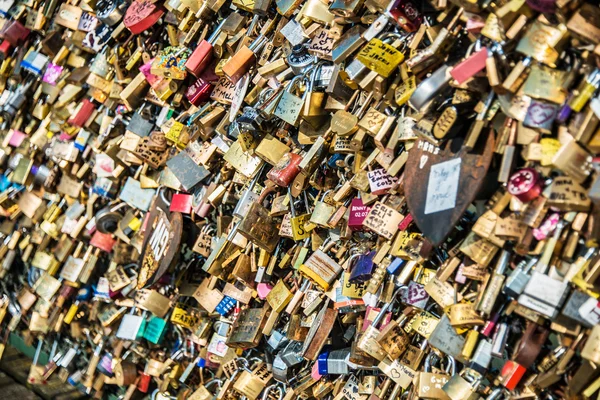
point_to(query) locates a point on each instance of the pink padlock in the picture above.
(203, 209)
(181, 202)
(263, 289)
(153, 80)
(473, 64)
(314, 372)
(405, 222)
(200, 207)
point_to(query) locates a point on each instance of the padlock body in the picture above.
(239, 64)
(200, 58)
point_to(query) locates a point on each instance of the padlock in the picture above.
(381, 55)
(199, 92)
(298, 222)
(242, 60)
(122, 181)
(462, 386)
(322, 212)
(313, 111)
(290, 106)
(367, 341)
(511, 374)
(362, 269)
(202, 55)
(141, 15)
(430, 384)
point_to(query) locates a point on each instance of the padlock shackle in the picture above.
(213, 37)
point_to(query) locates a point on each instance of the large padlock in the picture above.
(313, 112)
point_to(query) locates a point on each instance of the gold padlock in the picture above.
(297, 221)
(430, 384)
(322, 212)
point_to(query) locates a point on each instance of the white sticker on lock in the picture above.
(380, 181)
(442, 187)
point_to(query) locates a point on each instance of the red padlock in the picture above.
(5, 48)
(405, 222)
(83, 113)
(511, 374)
(103, 241)
(144, 382)
(358, 213)
(203, 53)
(14, 32)
(406, 15)
(467, 68)
(199, 92)
(141, 15)
(286, 169)
(525, 184)
(182, 203)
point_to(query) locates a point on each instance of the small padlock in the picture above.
(290, 105)
(322, 212)
(299, 231)
(430, 384)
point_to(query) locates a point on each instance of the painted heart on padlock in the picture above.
(440, 184)
(541, 113)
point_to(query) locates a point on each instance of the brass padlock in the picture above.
(290, 106)
(298, 222)
(462, 386)
(322, 211)
(430, 384)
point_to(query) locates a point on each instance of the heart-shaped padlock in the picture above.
(453, 180)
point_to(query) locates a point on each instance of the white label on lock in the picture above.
(380, 181)
(590, 311)
(325, 74)
(443, 186)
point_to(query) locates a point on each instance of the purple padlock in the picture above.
(363, 268)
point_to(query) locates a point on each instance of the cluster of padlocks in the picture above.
(280, 199)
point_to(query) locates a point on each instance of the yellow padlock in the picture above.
(297, 221)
